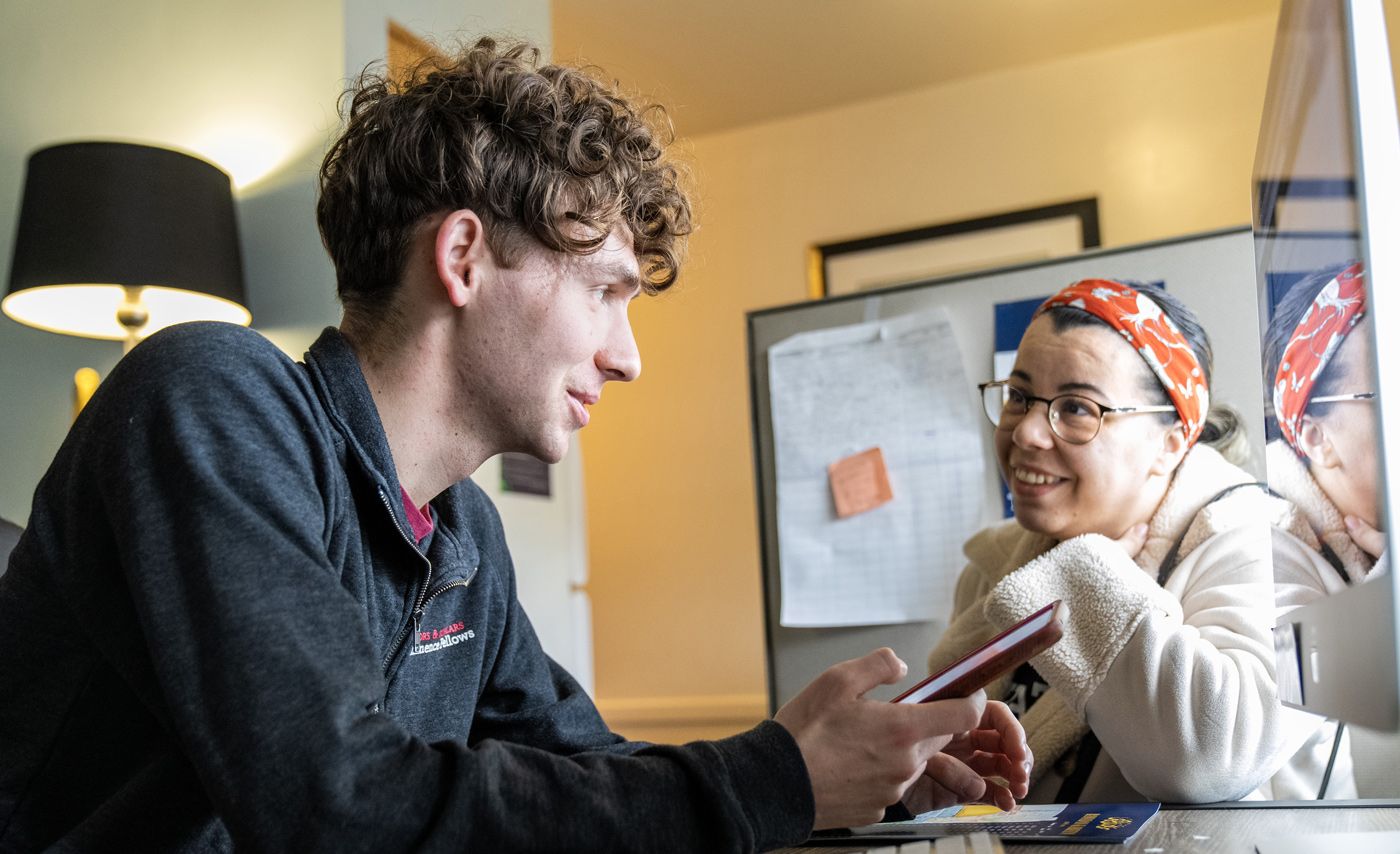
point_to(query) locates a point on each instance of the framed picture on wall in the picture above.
(945, 249)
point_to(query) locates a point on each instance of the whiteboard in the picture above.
(1213, 273)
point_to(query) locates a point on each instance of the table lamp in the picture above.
(117, 240)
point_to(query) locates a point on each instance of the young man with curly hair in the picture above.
(260, 605)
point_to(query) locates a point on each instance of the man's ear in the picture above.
(459, 254)
(1174, 447)
(1316, 445)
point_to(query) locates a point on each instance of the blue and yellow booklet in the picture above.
(1096, 823)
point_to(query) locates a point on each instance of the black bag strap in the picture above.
(1173, 555)
(1084, 759)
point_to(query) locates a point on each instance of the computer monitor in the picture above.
(1327, 198)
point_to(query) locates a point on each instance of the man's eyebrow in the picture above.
(621, 274)
(1021, 375)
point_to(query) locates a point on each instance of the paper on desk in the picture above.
(898, 384)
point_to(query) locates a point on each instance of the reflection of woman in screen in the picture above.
(1162, 686)
(1322, 385)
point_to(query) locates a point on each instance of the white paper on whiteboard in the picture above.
(898, 384)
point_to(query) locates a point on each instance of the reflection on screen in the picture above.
(1326, 209)
(1317, 333)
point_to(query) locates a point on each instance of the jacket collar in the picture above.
(336, 374)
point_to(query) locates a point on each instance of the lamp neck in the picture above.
(132, 315)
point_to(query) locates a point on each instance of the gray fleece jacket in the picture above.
(216, 633)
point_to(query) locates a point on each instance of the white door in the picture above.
(549, 546)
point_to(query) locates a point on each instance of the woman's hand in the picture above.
(1133, 539)
(994, 755)
(1368, 539)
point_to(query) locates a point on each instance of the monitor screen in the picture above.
(1325, 197)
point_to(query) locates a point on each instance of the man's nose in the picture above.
(619, 359)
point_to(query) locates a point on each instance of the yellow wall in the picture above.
(1162, 132)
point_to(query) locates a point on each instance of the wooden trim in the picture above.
(697, 710)
(406, 49)
(816, 273)
(1085, 210)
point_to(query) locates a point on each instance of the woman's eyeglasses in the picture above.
(1342, 398)
(1074, 418)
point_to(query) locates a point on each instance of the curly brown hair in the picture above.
(544, 153)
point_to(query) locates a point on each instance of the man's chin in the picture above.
(553, 451)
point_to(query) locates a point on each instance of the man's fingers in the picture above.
(859, 675)
(945, 717)
(1016, 774)
(1000, 796)
(999, 731)
(927, 795)
(952, 775)
(991, 741)
(862, 755)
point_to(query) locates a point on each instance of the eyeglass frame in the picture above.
(1342, 398)
(1050, 401)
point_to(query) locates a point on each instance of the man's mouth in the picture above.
(579, 402)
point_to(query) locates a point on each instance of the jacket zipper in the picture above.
(462, 583)
(422, 594)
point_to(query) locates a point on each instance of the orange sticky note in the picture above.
(859, 482)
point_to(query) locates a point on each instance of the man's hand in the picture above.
(1368, 539)
(863, 754)
(995, 749)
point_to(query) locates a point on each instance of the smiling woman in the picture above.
(1130, 508)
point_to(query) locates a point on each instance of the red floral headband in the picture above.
(1336, 309)
(1152, 333)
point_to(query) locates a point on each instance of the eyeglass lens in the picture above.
(1073, 418)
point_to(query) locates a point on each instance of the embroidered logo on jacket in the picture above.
(439, 639)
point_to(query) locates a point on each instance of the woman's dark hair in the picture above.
(542, 154)
(1282, 325)
(1224, 428)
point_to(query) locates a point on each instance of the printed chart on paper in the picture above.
(898, 384)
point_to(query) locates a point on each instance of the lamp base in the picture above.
(84, 385)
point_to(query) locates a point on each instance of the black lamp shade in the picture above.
(112, 213)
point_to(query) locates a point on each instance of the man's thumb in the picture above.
(881, 667)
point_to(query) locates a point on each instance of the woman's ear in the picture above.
(1174, 448)
(459, 253)
(1316, 445)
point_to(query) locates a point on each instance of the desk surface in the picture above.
(1212, 831)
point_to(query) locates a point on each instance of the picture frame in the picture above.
(928, 252)
(1306, 207)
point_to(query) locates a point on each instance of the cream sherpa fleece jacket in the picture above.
(1291, 478)
(1177, 682)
